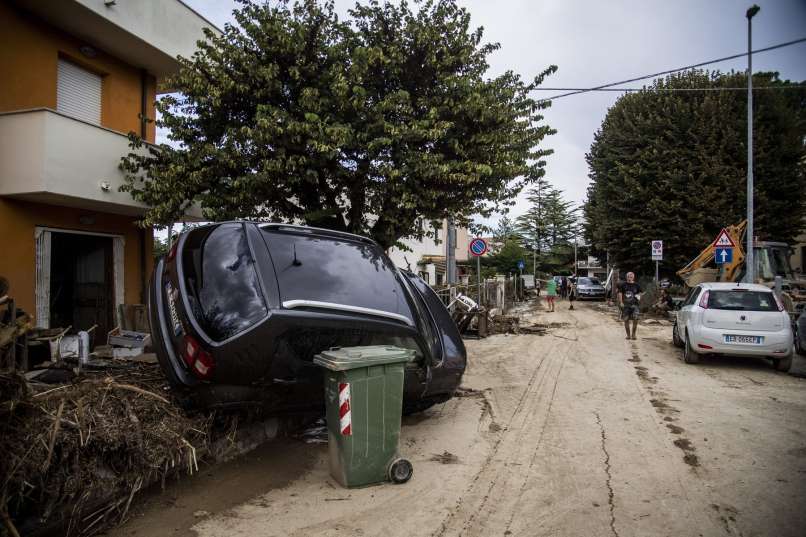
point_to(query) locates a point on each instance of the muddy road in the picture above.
(574, 433)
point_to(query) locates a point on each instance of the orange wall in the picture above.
(18, 220)
(29, 53)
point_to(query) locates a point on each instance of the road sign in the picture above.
(478, 247)
(723, 255)
(723, 240)
(657, 250)
(521, 264)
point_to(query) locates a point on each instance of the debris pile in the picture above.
(74, 455)
(505, 324)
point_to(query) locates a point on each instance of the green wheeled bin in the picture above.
(364, 398)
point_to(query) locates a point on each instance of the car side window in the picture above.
(692, 296)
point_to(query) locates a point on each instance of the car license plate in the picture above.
(751, 340)
(171, 296)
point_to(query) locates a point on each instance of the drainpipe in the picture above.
(143, 116)
(143, 102)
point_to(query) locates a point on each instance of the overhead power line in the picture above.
(670, 71)
(789, 86)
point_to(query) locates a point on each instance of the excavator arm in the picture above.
(696, 271)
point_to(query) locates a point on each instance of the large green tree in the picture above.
(548, 226)
(672, 166)
(362, 125)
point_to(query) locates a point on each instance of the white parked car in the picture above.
(736, 319)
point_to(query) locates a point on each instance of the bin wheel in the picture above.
(400, 471)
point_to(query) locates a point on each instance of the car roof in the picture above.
(721, 286)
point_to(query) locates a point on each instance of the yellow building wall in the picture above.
(18, 220)
(29, 54)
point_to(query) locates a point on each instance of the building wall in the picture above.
(29, 54)
(18, 219)
(429, 247)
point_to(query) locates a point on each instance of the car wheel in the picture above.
(689, 356)
(400, 471)
(783, 364)
(675, 337)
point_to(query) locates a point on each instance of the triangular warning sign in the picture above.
(723, 240)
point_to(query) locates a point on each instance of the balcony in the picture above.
(51, 158)
(145, 33)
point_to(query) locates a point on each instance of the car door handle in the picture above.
(284, 382)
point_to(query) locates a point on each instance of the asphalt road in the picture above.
(574, 433)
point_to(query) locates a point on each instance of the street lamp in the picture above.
(749, 259)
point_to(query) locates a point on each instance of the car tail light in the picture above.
(704, 346)
(199, 360)
(778, 301)
(704, 300)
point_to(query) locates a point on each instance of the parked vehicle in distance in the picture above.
(734, 319)
(590, 288)
(800, 334)
(239, 309)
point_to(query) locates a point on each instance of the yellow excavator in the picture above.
(770, 258)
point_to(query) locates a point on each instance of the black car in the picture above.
(239, 309)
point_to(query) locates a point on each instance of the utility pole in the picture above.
(450, 252)
(749, 261)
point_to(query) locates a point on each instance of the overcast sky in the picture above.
(594, 42)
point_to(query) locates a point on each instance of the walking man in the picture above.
(551, 293)
(628, 297)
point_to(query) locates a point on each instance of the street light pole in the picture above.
(749, 256)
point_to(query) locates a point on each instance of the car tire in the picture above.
(689, 356)
(783, 364)
(675, 337)
(798, 347)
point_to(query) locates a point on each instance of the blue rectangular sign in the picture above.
(723, 255)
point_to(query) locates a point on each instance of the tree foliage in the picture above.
(505, 259)
(548, 226)
(672, 166)
(363, 125)
(504, 231)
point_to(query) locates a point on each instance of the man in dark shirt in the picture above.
(628, 296)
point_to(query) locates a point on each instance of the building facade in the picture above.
(77, 77)
(427, 257)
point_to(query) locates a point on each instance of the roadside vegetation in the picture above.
(672, 165)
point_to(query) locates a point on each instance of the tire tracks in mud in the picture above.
(472, 511)
(669, 414)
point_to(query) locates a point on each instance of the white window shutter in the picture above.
(78, 92)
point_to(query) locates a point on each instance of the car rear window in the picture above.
(322, 268)
(221, 281)
(741, 300)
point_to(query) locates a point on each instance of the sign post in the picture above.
(521, 264)
(478, 247)
(657, 255)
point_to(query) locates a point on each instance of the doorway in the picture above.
(82, 290)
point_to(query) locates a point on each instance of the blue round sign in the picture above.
(478, 247)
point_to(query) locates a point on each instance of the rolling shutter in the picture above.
(78, 92)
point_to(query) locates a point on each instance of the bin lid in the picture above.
(344, 358)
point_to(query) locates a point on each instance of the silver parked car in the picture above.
(590, 288)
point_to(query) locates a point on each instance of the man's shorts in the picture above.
(630, 312)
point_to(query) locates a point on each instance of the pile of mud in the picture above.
(74, 455)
